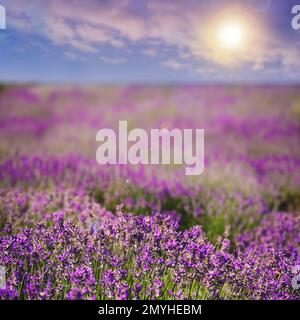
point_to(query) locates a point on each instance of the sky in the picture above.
(149, 41)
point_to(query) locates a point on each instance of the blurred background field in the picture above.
(252, 154)
(248, 193)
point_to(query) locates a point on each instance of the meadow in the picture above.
(73, 229)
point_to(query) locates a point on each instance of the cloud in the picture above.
(173, 64)
(150, 52)
(206, 71)
(70, 55)
(69, 23)
(110, 60)
(88, 25)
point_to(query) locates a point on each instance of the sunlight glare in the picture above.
(230, 36)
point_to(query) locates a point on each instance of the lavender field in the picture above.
(73, 229)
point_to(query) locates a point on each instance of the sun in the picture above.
(231, 36)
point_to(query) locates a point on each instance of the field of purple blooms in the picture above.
(73, 229)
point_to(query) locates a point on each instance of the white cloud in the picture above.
(88, 25)
(173, 64)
